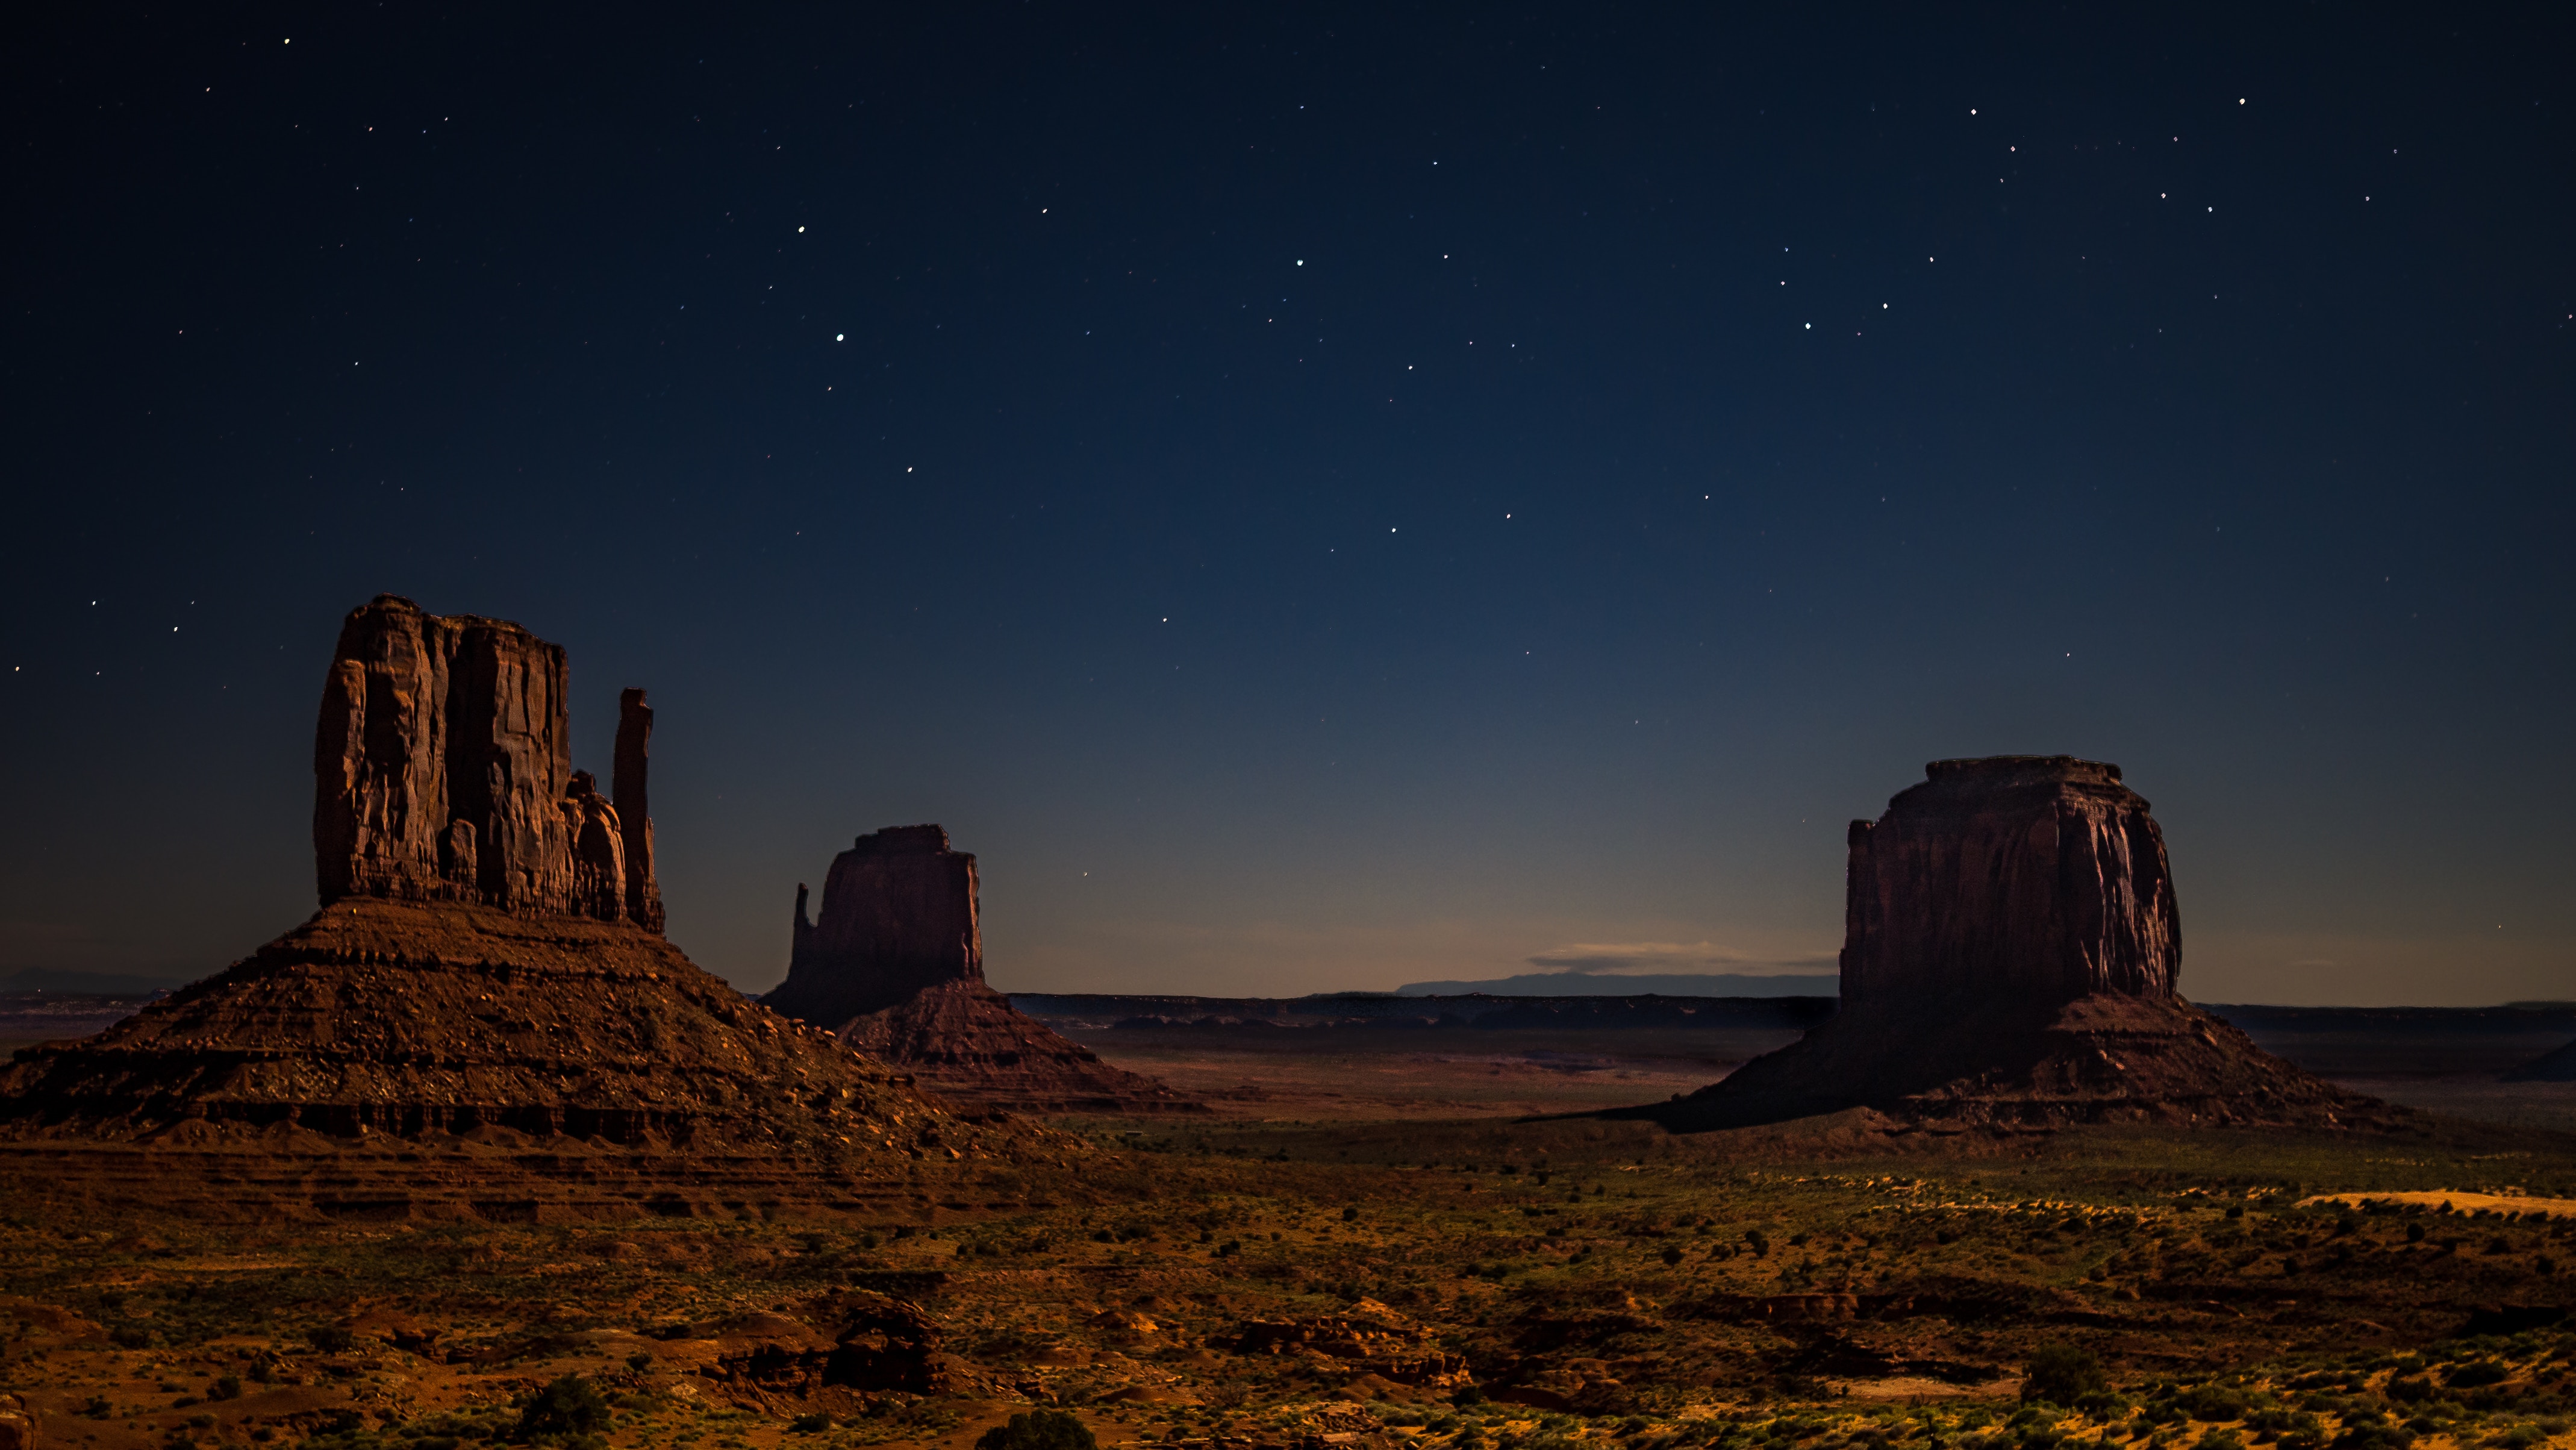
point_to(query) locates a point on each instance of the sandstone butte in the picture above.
(2010, 957)
(896, 967)
(487, 968)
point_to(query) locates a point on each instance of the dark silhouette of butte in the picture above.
(488, 962)
(2556, 1065)
(896, 967)
(2010, 952)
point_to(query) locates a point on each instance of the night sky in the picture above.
(1319, 498)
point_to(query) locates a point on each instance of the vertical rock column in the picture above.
(627, 784)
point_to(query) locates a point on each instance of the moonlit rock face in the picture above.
(443, 772)
(2035, 878)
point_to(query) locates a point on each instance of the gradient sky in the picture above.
(1319, 498)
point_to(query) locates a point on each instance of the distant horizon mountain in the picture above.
(1604, 984)
(85, 984)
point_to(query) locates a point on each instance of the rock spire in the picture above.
(443, 772)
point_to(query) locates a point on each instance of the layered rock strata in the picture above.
(895, 966)
(443, 772)
(419, 1020)
(487, 963)
(2011, 952)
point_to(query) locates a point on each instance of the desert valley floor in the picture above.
(1372, 1237)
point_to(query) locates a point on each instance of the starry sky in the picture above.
(1319, 497)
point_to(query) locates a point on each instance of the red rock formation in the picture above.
(2010, 956)
(412, 1020)
(967, 1043)
(2031, 878)
(443, 772)
(487, 962)
(634, 747)
(896, 966)
(898, 917)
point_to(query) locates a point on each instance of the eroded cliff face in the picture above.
(2033, 879)
(2010, 952)
(443, 772)
(898, 918)
(896, 968)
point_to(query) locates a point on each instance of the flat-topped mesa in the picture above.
(2037, 879)
(2010, 956)
(898, 918)
(443, 772)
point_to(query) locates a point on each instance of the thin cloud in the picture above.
(1631, 958)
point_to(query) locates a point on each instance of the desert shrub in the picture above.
(2373, 1437)
(1039, 1430)
(2475, 1373)
(571, 1405)
(2213, 1404)
(2102, 1405)
(227, 1388)
(2061, 1373)
(2409, 1391)
(813, 1424)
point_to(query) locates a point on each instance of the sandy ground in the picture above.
(1384, 1075)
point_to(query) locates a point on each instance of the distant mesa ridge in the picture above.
(443, 771)
(2011, 954)
(895, 966)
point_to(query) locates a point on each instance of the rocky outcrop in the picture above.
(856, 1341)
(896, 967)
(967, 1043)
(443, 772)
(2023, 878)
(385, 1018)
(898, 917)
(487, 964)
(2010, 957)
